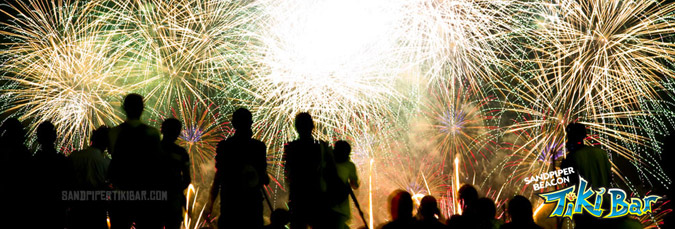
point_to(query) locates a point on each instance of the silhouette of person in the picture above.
(520, 210)
(134, 169)
(16, 173)
(427, 213)
(467, 195)
(485, 214)
(177, 171)
(90, 169)
(279, 219)
(51, 175)
(589, 162)
(241, 172)
(307, 163)
(400, 208)
(12, 142)
(346, 171)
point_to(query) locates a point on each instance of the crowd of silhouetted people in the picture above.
(44, 189)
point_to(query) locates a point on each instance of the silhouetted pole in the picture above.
(267, 198)
(358, 207)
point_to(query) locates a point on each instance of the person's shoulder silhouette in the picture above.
(16, 172)
(176, 166)
(428, 214)
(175, 158)
(90, 165)
(485, 214)
(51, 176)
(241, 167)
(244, 157)
(278, 219)
(134, 147)
(46, 136)
(303, 157)
(590, 162)
(400, 208)
(12, 141)
(520, 210)
(468, 195)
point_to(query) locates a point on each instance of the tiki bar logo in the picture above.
(572, 200)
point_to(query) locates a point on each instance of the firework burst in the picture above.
(60, 69)
(183, 49)
(461, 125)
(321, 57)
(202, 130)
(543, 107)
(607, 52)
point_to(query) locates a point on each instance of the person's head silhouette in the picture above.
(133, 106)
(341, 151)
(46, 134)
(171, 128)
(520, 209)
(401, 205)
(13, 131)
(304, 125)
(429, 207)
(99, 138)
(468, 196)
(576, 133)
(242, 119)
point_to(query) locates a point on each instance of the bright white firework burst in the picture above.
(352, 63)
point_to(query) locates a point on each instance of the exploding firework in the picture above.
(612, 55)
(601, 63)
(543, 107)
(367, 72)
(203, 128)
(461, 125)
(59, 68)
(319, 60)
(183, 49)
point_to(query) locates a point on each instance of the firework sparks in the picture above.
(315, 62)
(366, 71)
(183, 48)
(544, 107)
(608, 51)
(202, 130)
(461, 125)
(60, 69)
